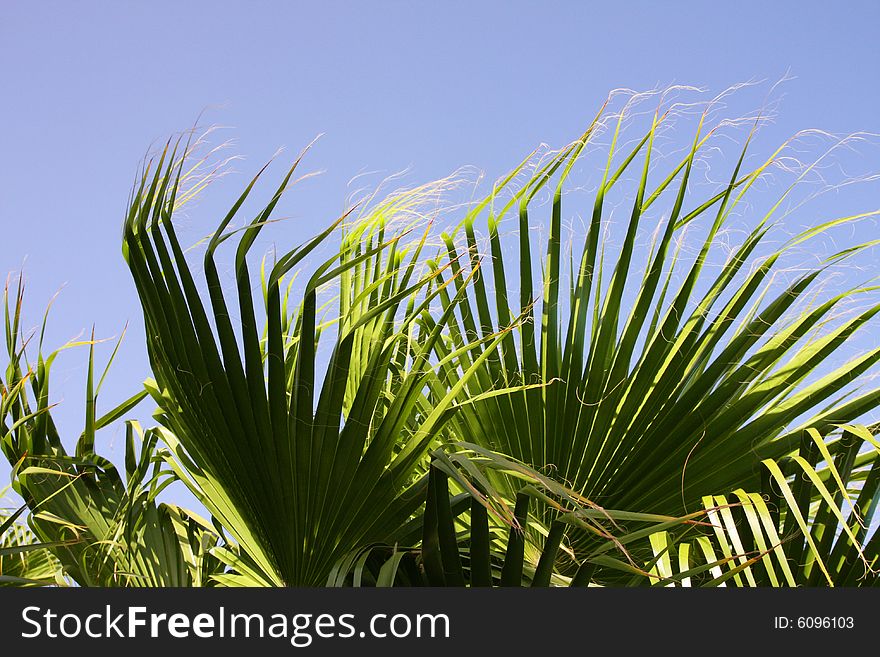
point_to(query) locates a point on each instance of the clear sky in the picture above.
(88, 87)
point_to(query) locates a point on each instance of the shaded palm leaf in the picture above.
(474, 534)
(24, 561)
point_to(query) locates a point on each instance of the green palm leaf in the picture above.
(105, 530)
(299, 467)
(811, 526)
(666, 380)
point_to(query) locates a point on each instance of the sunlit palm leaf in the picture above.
(813, 524)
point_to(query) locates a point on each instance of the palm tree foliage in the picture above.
(298, 469)
(23, 560)
(474, 534)
(811, 525)
(103, 529)
(410, 413)
(654, 395)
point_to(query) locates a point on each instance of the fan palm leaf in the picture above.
(298, 466)
(658, 388)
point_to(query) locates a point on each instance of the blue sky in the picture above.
(89, 87)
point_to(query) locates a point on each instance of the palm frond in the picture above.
(298, 466)
(811, 525)
(649, 378)
(103, 529)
